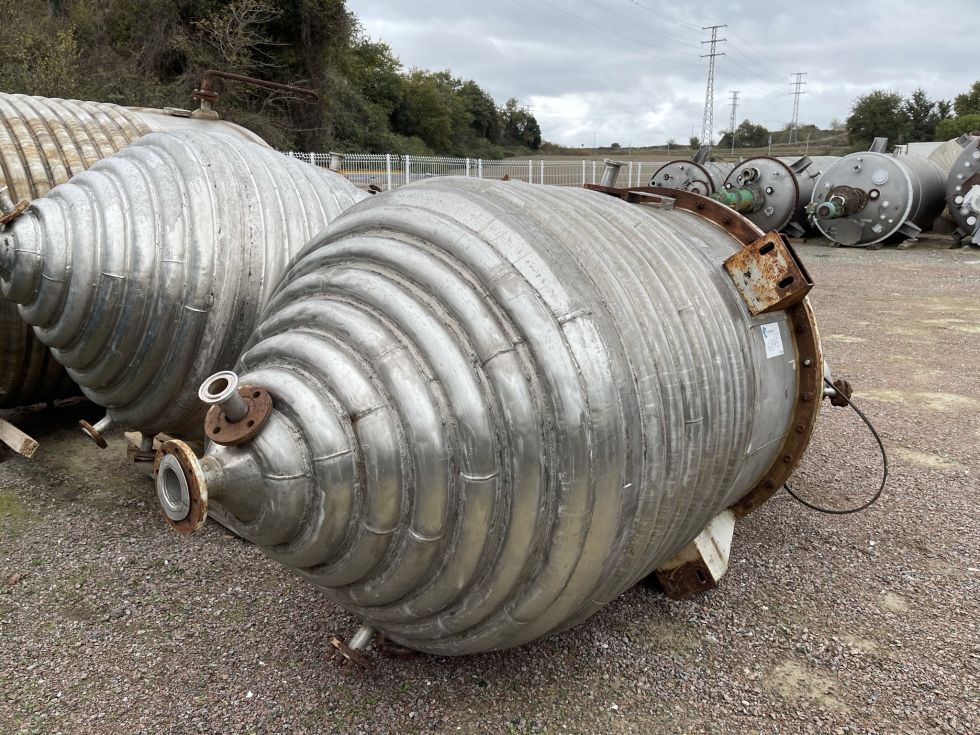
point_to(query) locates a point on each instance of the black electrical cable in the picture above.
(884, 468)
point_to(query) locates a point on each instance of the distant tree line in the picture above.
(912, 119)
(152, 53)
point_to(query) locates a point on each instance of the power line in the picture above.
(687, 42)
(707, 121)
(798, 85)
(667, 18)
(594, 26)
(731, 120)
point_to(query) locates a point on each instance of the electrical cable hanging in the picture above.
(884, 468)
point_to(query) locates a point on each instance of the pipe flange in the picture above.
(181, 487)
(219, 429)
(14, 213)
(93, 434)
(344, 654)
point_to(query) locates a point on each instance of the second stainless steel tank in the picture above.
(963, 190)
(688, 175)
(865, 198)
(774, 192)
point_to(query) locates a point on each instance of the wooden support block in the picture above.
(17, 439)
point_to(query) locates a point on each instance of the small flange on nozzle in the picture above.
(237, 413)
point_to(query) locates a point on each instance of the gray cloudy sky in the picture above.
(630, 69)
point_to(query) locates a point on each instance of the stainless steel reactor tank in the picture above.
(474, 412)
(43, 143)
(774, 192)
(865, 198)
(145, 273)
(963, 189)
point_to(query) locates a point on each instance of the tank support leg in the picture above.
(700, 564)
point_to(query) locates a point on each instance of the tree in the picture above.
(747, 135)
(954, 127)
(519, 126)
(877, 114)
(922, 116)
(694, 142)
(968, 103)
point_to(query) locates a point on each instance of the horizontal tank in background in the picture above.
(697, 175)
(774, 192)
(963, 189)
(866, 198)
(496, 406)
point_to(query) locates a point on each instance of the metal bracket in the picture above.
(769, 275)
(658, 201)
(702, 563)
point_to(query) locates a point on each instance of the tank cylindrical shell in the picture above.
(904, 195)
(963, 190)
(145, 273)
(782, 187)
(698, 178)
(497, 406)
(43, 143)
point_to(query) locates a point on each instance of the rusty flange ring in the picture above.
(220, 430)
(344, 654)
(93, 434)
(196, 485)
(806, 338)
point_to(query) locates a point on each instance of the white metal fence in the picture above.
(388, 171)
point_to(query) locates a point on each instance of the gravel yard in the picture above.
(870, 623)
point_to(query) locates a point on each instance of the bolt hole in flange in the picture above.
(767, 248)
(785, 282)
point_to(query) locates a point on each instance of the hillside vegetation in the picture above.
(152, 53)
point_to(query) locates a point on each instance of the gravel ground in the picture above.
(110, 623)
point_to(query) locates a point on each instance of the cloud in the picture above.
(630, 70)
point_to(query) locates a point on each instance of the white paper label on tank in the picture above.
(772, 340)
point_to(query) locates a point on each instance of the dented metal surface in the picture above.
(497, 406)
(145, 273)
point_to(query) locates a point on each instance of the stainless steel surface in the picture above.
(781, 188)
(221, 389)
(698, 178)
(145, 273)
(497, 406)
(963, 190)
(904, 196)
(610, 172)
(169, 121)
(43, 143)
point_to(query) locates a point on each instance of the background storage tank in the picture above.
(43, 143)
(689, 175)
(145, 273)
(963, 189)
(865, 198)
(474, 412)
(774, 192)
